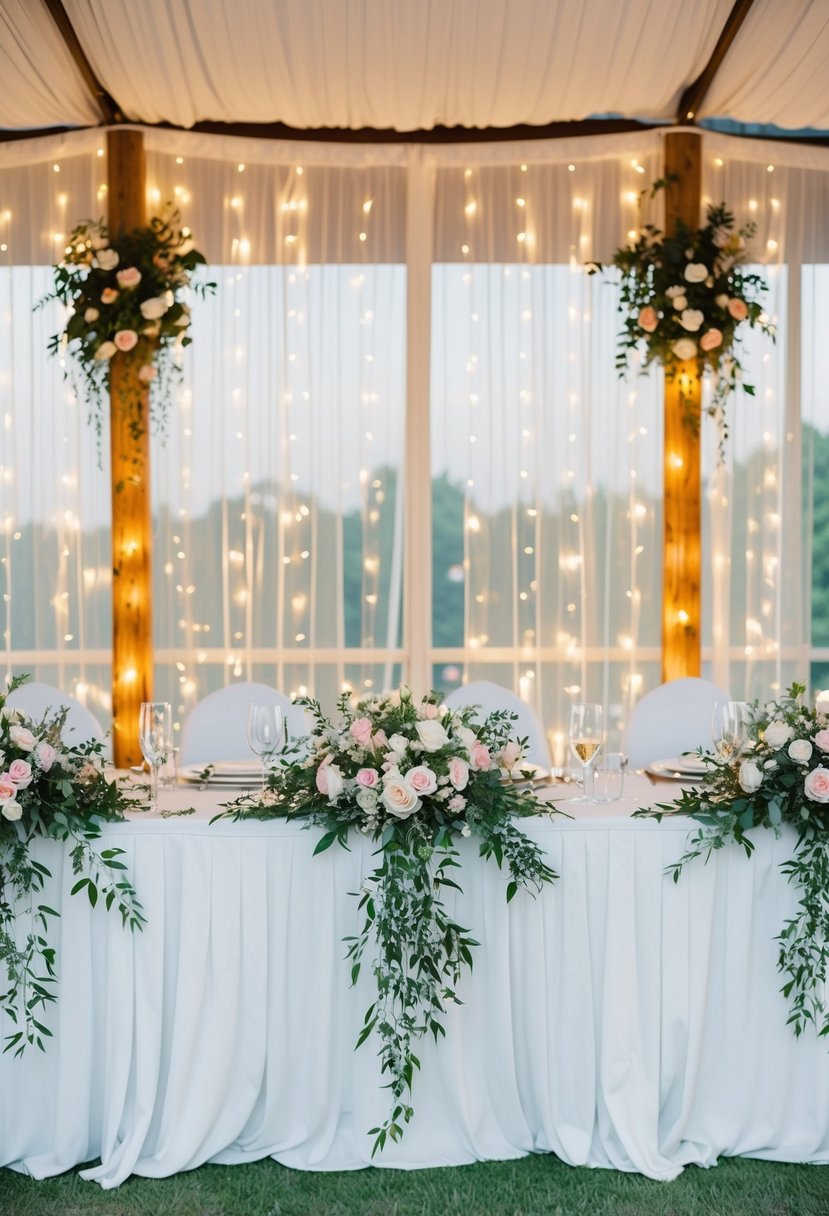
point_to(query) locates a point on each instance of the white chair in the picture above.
(37, 700)
(492, 696)
(216, 728)
(671, 719)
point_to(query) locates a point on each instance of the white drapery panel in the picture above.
(553, 461)
(55, 559)
(759, 517)
(41, 85)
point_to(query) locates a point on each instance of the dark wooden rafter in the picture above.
(695, 94)
(110, 114)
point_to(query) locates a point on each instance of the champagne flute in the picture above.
(155, 738)
(266, 734)
(585, 741)
(729, 728)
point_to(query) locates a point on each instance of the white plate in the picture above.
(678, 768)
(221, 775)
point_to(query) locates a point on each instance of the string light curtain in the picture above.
(759, 505)
(554, 460)
(55, 563)
(277, 490)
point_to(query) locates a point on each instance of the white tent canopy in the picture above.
(407, 66)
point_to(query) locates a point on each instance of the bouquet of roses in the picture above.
(54, 789)
(782, 778)
(126, 294)
(413, 775)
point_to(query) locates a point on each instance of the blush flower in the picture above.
(479, 757)
(738, 309)
(20, 772)
(422, 780)
(648, 319)
(685, 348)
(360, 731)
(711, 339)
(128, 278)
(458, 773)
(816, 784)
(126, 339)
(367, 778)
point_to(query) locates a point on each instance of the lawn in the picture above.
(534, 1186)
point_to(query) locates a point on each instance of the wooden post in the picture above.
(132, 650)
(682, 544)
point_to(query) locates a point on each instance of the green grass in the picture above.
(534, 1186)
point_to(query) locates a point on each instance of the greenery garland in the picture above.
(782, 779)
(52, 789)
(412, 776)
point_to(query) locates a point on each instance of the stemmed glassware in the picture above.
(155, 738)
(729, 728)
(266, 734)
(585, 741)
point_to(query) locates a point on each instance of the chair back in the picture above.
(216, 728)
(492, 696)
(671, 719)
(37, 700)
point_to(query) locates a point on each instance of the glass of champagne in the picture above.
(155, 738)
(585, 741)
(266, 735)
(729, 728)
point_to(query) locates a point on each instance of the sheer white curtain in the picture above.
(760, 504)
(55, 559)
(277, 491)
(553, 460)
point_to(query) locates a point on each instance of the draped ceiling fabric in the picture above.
(396, 64)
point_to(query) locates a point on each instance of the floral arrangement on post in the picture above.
(684, 297)
(127, 294)
(413, 776)
(783, 778)
(53, 789)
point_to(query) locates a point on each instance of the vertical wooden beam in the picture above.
(132, 652)
(682, 543)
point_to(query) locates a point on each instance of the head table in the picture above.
(617, 1020)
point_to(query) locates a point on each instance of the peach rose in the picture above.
(738, 309)
(400, 800)
(648, 320)
(129, 277)
(109, 295)
(105, 351)
(147, 373)
(685, 348)
(126, 339)
(711, 339)
(7, 787)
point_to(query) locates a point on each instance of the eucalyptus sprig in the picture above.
(413, 776)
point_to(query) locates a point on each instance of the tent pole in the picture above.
(682, 535)
(132, 652)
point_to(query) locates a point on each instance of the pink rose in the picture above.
(711, 339)
(126, 339)
(511, 755)
(379, 740)
(479, 757)
(457, 803)
(738, 309)
(429, 710)
(109, 295)
(458, 773)
(421, 779)
(360, 730)
(648, 320)
(816, 785)
(45, 755)
(22, 737)
(400, 800)
(88, 773)
(20, 771)
(7, 787)
(821, 739)
(146, 373)
(368, 777)
(129, 277)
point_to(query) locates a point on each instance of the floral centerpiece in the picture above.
(127, 293)
(684, 298)
(783, 778)
(54, 789)
(413, 776)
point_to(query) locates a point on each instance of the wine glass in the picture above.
(729, 728)
(266, 734)
(585, 741)
(155, 738)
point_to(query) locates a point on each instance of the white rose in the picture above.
(691, 319)
(800, 750)
(399, 800)
(335, 783)
(751, 777)
(366, 799)
(107, 259)
(22, 737)
(153, 308)
(777, 733)
(432, 735)
(696, 272)
(421, 780)
(12, 810)
(91, 315)
(685, 348)
(398, 744)
(105, 351)
(467, 737)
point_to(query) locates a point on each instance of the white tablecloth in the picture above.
(618, 1020)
